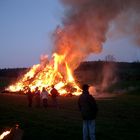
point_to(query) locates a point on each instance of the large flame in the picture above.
(56, 72)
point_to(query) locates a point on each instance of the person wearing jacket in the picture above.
(29, 96)
(54, 95)
(88, 108)
(44, 96)
(37, 97)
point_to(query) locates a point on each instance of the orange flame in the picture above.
(5, 133)
(56, 72)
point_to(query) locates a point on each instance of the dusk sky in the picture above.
(26, 27)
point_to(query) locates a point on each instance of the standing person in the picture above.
(37, 97)
(54, 95)
(44, 97)
(30, 97)
(88, 109)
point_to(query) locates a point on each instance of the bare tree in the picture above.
(110, 58)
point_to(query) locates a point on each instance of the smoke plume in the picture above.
(86, 23)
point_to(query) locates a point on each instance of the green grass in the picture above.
(118, 118)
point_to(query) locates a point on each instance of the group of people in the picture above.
(86, 102)
(42, 97)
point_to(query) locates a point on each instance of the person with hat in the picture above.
(88, 108)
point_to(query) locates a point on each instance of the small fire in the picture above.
(55, 72)
(5, 133)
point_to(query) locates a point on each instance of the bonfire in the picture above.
(55, 72)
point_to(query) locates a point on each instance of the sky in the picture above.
(26, 28)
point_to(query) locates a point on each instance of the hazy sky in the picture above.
(25, 33)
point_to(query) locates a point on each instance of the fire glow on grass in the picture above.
(55, 72)
(5, 133)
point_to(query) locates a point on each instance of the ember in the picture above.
(4, 134)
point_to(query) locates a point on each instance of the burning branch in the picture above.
(4, 134)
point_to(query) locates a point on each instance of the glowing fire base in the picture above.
(56, 72)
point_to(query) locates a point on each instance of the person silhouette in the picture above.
(88, 108)
(54, 95)
(44, 96)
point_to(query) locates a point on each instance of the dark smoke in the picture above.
(86, 23)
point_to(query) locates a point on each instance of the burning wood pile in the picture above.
(46, 74)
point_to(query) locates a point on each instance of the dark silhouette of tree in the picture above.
(110, 58)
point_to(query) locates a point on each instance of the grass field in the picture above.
(118, 118)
